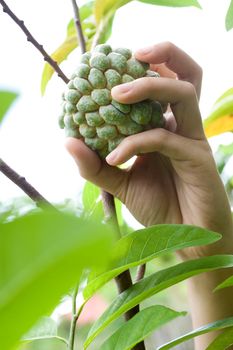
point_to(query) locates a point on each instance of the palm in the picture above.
(161, 190)
(151, 194)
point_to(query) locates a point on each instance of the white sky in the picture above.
(30, 140)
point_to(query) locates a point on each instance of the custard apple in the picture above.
(90, 113)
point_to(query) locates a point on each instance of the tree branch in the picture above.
(78, 27)
(34, 42)
(123, 281)
(21, 182)
(140, 273)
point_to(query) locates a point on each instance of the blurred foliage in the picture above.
(34, 278)
(6, 100)
(224, 158)
(220, 119)
(229, 17)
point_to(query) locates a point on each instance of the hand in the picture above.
(174, 178)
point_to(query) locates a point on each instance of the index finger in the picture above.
(176, 60)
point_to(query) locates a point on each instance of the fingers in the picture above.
(163, 141)
(175, 60)
(111, 179)
(163, 70)
(181, 96)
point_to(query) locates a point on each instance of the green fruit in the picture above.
(90, 113)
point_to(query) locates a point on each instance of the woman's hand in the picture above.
(174, 178)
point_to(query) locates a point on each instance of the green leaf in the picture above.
(59, 55)
(118, 205)
(90, 196)
(173, 3)
(41, 258)
(46, 328)
(226, 150)
(227, 322)
(229, 17)
(154, 284)
(92, 203)
(223, 341)
(227, 283)
(228, 92)
(70, 43)
(139, 327)
(6, 100)
(105, 30)
(141, 246)
(104, 7)
(221, 118)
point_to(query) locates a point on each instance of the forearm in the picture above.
(208, 306)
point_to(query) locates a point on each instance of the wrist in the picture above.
(223, 246)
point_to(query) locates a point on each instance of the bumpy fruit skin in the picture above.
(88, 110)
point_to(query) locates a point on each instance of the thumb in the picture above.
(92, 168)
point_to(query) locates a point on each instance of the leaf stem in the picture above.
(34, 42)
(75, 316)
(78, 27)
(21, 182)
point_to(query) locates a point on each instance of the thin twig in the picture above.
(21, 182)
(34, 42)
(123, 281)
(78, 27)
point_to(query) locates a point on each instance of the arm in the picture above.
(174, 172)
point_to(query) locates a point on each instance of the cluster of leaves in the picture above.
(97, 20)
(40, 262)
(132, 250)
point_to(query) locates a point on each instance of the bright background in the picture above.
(30, 140)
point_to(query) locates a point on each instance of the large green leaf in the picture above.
(146, 244)
(70, 43)
(227, 322)
(46, 328)
(41, 258)
(227, 283)
(139, 327)
(173, 3)
(223, 341)
(229, 17)
(154, 284)
(6, 100)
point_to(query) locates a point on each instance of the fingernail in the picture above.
(111, 157)
(122, 88)
(145, 50)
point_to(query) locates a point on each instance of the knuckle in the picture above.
(161, 137)
(128, 143)
(189, 89)
(168, 46)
